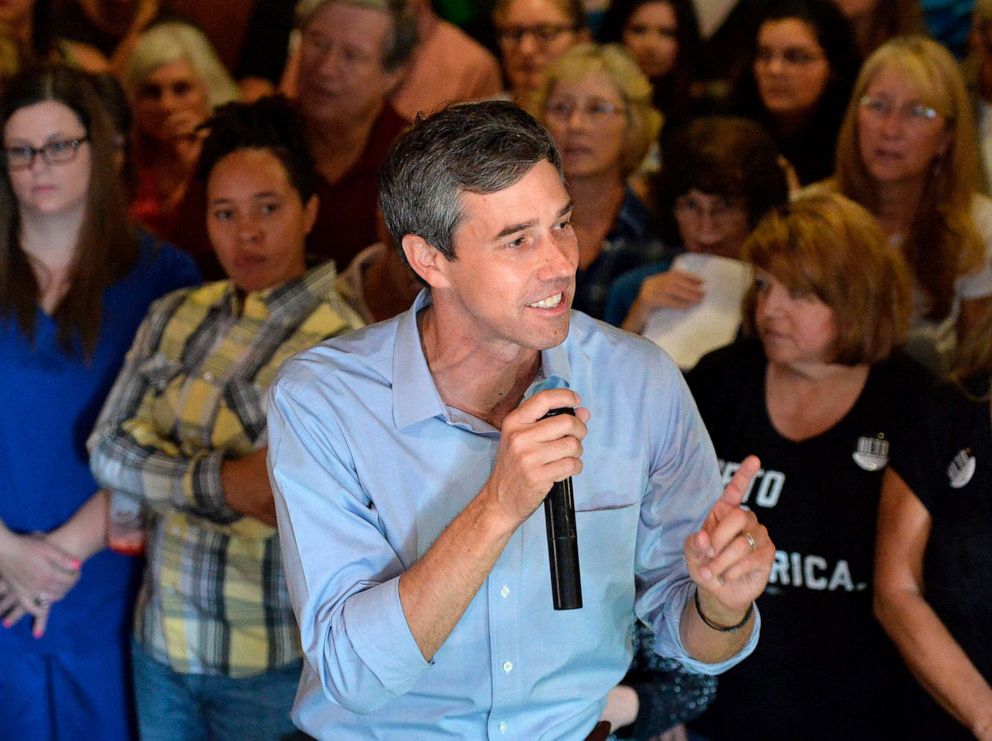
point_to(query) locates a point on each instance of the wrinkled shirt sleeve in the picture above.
(342, 572)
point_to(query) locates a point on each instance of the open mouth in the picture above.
(547, 303)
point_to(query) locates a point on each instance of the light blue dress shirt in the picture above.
(369, 466)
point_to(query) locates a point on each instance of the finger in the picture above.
(11, 618)
(734, 492)
(698, 549)
(535, 407)
(733, 522)
(40, 623)
(737, 551)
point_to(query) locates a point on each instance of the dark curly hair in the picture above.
(270, 123)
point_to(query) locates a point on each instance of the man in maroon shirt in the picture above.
(352, 55)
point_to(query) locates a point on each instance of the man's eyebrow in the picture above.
(506, 231)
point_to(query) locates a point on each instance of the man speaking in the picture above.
(410, 460)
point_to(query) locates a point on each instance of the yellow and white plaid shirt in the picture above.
(192, 393)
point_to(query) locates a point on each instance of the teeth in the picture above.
(549, 303)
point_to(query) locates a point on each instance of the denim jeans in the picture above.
(191, 707)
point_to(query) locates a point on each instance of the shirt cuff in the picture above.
(369, 617)
(203, 490)
(673, 624)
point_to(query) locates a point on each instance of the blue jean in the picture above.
(194, 707)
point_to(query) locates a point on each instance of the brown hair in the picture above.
(107, 248)
(832, 248)
(943, 242)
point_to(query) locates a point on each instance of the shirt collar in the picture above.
(283, 302)
(415, 395)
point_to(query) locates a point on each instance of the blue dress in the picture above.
(74, 681)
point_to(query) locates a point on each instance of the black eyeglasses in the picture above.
(543, 33)
(21, 156)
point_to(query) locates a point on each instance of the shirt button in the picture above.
(504, 592)
(502, 727)
(508, 666)
(208, 377)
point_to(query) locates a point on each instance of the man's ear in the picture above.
(425, 260)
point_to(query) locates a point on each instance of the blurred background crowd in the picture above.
(789, 196)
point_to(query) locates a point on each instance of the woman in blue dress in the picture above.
(75, 281)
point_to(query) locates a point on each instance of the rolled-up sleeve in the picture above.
(129, 453)
(342, 572)
(684, 484)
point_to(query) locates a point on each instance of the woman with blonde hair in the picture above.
(819, 393)
(907, 153)
(596, 103)
(933, 570)
(173, 79)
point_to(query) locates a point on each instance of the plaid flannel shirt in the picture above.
(192, 393)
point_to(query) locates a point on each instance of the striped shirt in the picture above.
(191, 394)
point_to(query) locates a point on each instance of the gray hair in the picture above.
(169, 42)
(403, 39)
(480, 148)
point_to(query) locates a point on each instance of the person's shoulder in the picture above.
(363, 356)
(611, 349)
(745, 353)
(901, 372)
(164, 263)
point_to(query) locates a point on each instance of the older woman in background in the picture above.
(596, 102)
(907, 153)
(933, 570)
(174, 79)
(532, 34)
(821, 397)
(74, 282)
(802, 65)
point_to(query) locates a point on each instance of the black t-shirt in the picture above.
(823, 667)
(947, 463)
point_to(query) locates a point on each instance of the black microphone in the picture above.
(563, 542)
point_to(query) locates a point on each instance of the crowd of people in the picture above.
(793, 205)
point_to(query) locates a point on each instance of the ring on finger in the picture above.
(751, 543)
(41, 600)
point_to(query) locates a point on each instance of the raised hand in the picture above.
(730, 558)
(672, 289)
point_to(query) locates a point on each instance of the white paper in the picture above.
(688, 334)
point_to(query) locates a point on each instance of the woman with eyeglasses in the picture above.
(75, 281)
(907, 153)
(721, 175)
(596, 103)
(933, 569)
(818, 390)
(531, 35)
(802, 65)
(663, 38)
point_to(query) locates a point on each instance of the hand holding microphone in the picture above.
(540, 449)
